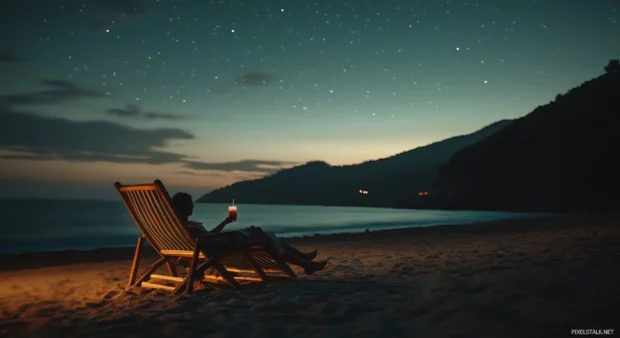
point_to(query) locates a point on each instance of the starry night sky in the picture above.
(205, 93)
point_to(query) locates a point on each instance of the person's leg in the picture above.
(259, 232)
(294, 251)
(308, 266)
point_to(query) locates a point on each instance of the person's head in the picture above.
(183, 204)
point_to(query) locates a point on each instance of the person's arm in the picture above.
(221, 226)
(196, 229)
(197, 225)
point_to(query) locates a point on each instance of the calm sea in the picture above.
(50, 225)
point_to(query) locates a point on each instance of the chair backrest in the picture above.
(151, 209)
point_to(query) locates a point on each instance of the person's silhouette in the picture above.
(184, 207)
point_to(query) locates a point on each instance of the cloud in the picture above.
(8, 57)
(244, 165)
(204, 174)
(134, 111)
(131, 110)
(27, 136)
(255, 79)
(30, 136)
(60, 91)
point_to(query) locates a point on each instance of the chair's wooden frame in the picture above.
(151, 210)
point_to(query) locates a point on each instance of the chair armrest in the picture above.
(217, 235)
(219, 241)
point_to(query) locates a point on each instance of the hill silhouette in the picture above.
(391, 182)
(563, 156)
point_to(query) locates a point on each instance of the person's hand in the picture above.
(228, 220)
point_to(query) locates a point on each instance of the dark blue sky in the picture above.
(204, 93)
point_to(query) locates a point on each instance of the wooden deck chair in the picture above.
(218, 257)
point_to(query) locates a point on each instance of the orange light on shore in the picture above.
(364, 192)
(423, 193)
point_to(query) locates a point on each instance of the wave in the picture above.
(287, 231)
(91, 241)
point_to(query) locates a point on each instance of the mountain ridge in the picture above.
(325, 184)
(559, 157)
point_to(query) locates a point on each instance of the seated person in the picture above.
(183, 205)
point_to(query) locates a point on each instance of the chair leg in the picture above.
(179, 289)
(214, 262)
(136, 262)
(171, 268)
(148, 273)
(227, 276)
(283, 265)
(287, 268)
(208, 266)
(189, 287)
(254, 264)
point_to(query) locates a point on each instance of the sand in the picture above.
(520, 278)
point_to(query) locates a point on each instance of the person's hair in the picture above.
(182, 201)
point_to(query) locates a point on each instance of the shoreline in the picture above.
(39, 259)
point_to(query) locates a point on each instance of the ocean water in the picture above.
(51, 225)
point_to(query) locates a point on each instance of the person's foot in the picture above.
(314, 267)
(310, 255)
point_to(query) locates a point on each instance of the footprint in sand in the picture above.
(280, 317)
(112, 293)
(49, 311)
(324, 309)
(330, 320)
(444, 314)
(24, 308)
(398, 265)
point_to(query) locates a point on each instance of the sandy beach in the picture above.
(518, 278)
